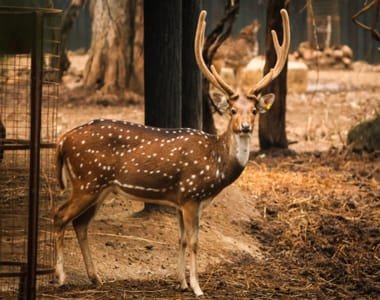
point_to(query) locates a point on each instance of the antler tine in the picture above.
(284, 48)
(198, 47)
(213, 76)
(281, 53)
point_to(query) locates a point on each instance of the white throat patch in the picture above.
(243, 145)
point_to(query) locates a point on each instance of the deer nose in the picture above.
(245, 127)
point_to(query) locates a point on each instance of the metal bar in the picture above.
(42, 269)
(34, 168)
(26, 147)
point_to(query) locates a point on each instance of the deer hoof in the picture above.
(183, 287)
(60, 278)
(198, 294)
(95, 279)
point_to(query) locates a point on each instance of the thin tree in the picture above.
(272, 132)
(163, 68)
(136, 82)
(372, 5)
(214, 40)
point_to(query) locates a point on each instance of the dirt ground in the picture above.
(303, 226)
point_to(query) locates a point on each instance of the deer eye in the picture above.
(233, 111)
(254, 110)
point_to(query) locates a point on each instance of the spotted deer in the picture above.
(246, 42)
(184, 168)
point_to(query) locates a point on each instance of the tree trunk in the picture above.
(110, 64)
(137, 78)
(191, 76)
(163, 65)
(272, 124)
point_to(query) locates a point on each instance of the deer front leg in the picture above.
(80, 225)
(182, 252)
(191, 214)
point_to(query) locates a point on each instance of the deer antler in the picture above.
(281, 53)
(212, 75)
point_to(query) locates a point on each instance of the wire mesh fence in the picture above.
(29, 80)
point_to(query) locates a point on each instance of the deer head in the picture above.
(243, 108)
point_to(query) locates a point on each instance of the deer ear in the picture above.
(220, 100)
(265, 103)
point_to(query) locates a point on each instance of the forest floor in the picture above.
(302, 226)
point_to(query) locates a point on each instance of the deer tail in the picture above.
(59, 164)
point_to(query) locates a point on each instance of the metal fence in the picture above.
(29, 86)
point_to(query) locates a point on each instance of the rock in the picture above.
(347, 61)
(365, 136)
(347, 51)
(110, 244)
(338, 53)
(149, 247)
(338, 57)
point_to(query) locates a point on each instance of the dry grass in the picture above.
(320, 223)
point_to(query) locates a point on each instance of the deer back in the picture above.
(147, 162)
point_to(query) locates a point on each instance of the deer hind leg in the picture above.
(182, 252)
(191, 214)
(80, 225)
(64, 214)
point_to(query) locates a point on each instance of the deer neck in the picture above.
(237, 150)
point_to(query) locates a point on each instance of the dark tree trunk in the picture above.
(191, 76)
(2, 137)
(163, 61)
(163, 65)
(272, 124)
(208, 124)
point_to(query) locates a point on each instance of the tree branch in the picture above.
(375, 3)
(215, 39)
